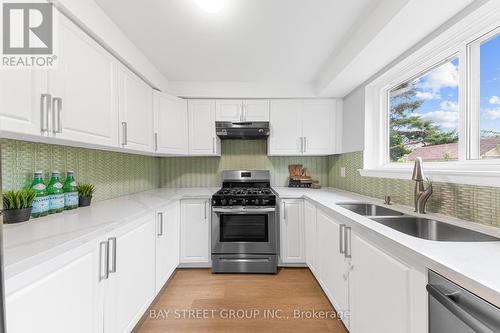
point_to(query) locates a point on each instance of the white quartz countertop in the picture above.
(36, 241)
(473, 265)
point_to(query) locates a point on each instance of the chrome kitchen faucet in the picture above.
(421, 194)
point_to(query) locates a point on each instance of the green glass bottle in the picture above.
(70, 191)
(41, 202)
(56, 194)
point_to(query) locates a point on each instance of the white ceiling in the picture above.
(275, 48)
(248, 41)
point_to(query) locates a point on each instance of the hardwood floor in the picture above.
(197, 301)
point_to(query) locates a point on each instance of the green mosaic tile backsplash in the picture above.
(114, 174)
(474, 203)
(236, 155)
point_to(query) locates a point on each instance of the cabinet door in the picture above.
(202, 138)
(65, 295)
(292, 232)
(20, 101)
(131, 288)
(285, 123)
(195, 232)
(332, 264)
(136, 112)
(316, 126)
(379, 286)
(310, 235)
(229, 110)
(85, 82)
(256, 110)
(167, 243)
(171, 124)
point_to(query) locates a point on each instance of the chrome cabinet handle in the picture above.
(341, 239)
(206, 209)
(213, 144)
(284, 211)
(305, 144)
(124, 133)
(160, 224)
(156, 141)
(112, 253)
(244, 111)
(461, 313)
(103, 261)
(347, 249)
(45, 108)
(57, 118)
(241, 113)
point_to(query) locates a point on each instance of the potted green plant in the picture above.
(17, 205)
(85, 192)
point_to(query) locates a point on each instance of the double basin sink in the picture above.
(415, 226)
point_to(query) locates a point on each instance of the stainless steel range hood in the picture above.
(242, 130)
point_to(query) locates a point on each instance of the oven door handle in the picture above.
(244, 210)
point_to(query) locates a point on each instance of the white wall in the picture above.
(354, 120)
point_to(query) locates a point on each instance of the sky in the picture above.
(439, 91)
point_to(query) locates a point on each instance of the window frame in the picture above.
(462, 40)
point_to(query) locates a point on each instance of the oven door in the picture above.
(244, 231)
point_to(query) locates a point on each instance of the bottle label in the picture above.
(40, 204)
(56, 201)
(73, 183)
(39, 187)
(58, 185)
(71, 199)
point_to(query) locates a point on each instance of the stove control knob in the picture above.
(223, 202)
(265, 201)
(243, 202)
(231, 201)
(256, 202)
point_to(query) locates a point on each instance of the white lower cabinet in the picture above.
(130, 287)
(292, 232)
(311, 235)
(60, 296)
(195, 232)
(332, 264)
(167, 243)
(386, 294)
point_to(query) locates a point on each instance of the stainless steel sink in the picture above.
(433, 230)
(367, 209)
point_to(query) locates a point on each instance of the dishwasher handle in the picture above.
(447, 300)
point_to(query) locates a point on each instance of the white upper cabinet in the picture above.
(202, 137)
(286, 127)
(242, 110)
(292, 231)
(317, 126)
(136, 112)
(171, 124)
(256, 110)
(84, 89)
(22, 103)
(229, 110)
(303, 127)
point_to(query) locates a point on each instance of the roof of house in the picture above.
(437, 152)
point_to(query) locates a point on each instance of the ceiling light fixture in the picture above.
(211, 6)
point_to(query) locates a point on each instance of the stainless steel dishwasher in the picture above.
(453, 309)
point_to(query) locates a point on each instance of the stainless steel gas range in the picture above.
(244, 224)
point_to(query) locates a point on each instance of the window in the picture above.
(442, 103)
(423, 116)
(489, 98)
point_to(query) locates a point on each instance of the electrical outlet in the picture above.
(342, 172)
